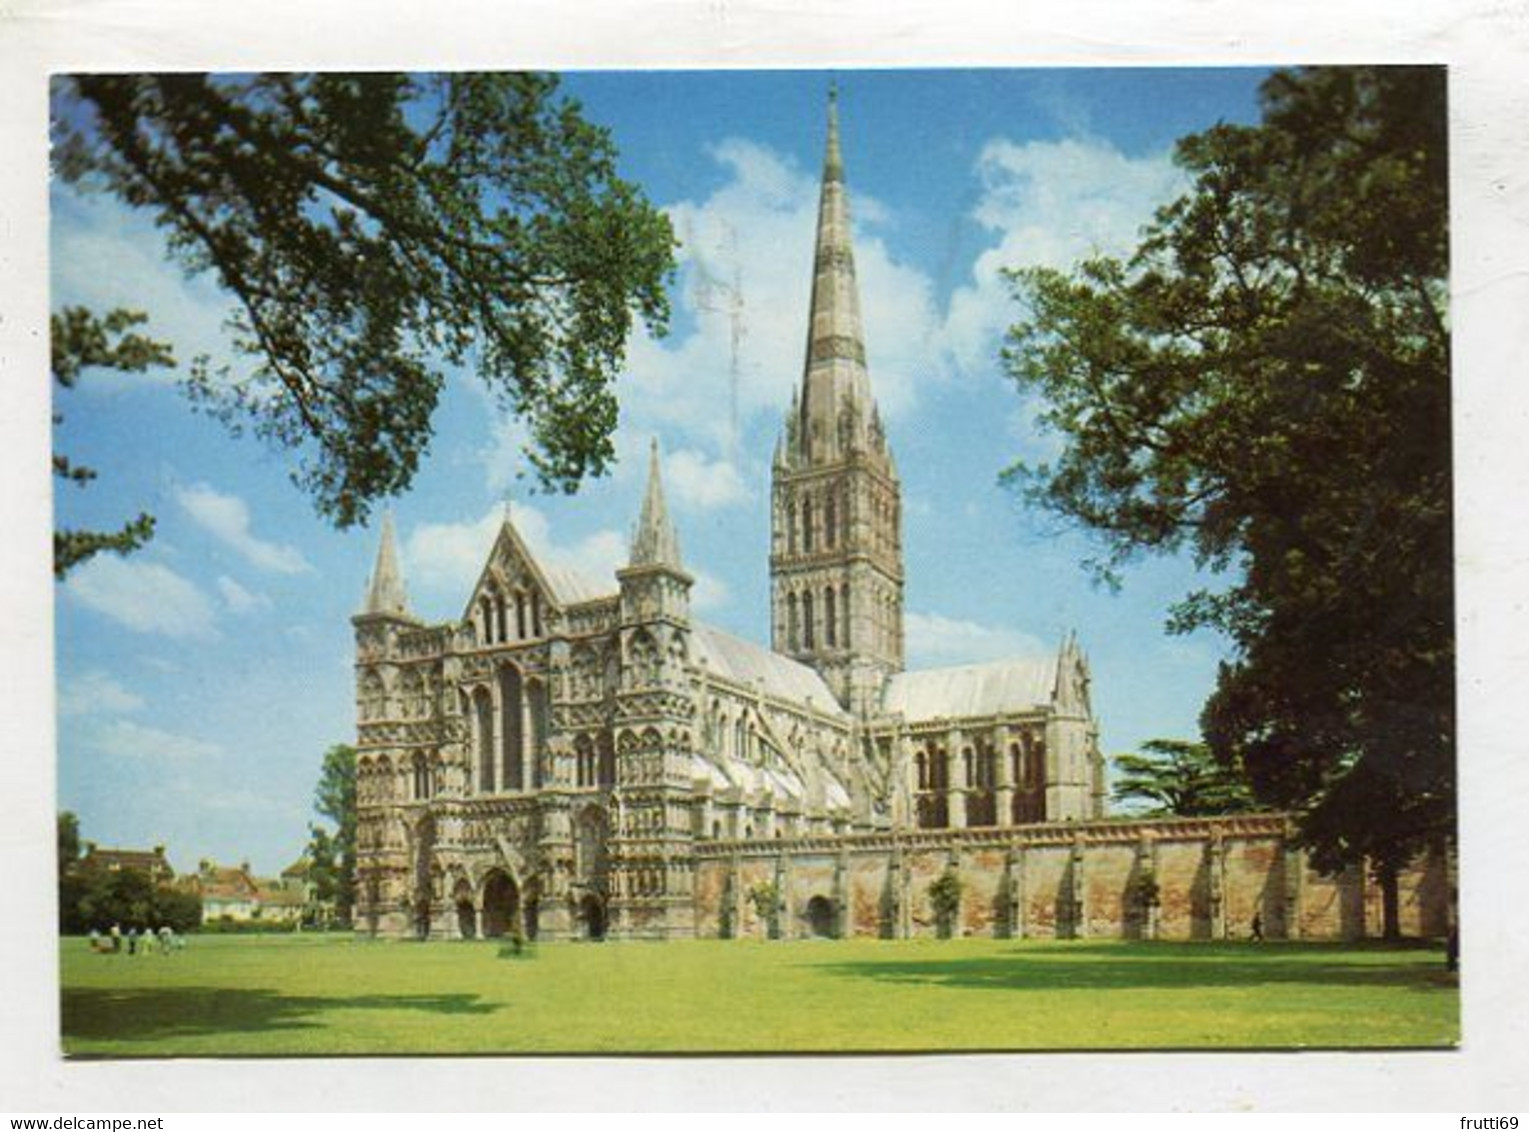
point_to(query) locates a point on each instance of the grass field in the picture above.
(298, 995)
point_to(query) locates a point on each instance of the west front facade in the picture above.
(584, 758)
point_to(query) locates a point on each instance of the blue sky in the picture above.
(201, 679)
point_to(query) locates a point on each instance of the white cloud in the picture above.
(125, 739)
(744, 285)
(935, 639)
(748, 249)
(144, 596)
(1049, 204)
(238, 599)
(106, 254)
(709, 592)
(227, 518)
(95, 693)
(697, 481)
(446, 558)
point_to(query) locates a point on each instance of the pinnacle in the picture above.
(655, 542)
(387, 594)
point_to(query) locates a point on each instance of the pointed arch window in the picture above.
(807, 525)
(793, 630)
(844, 615)
(830, 618)
(520, 615)
(791, 527)
(830, 520)
(807, 633)
(605, 769)
(512, 714)
(584, 761)
(536, 700)
(483, 724)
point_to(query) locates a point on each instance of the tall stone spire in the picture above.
(655, 542)
(386, 594)
(836, 391)
(836, 572)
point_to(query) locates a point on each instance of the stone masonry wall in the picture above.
(1209, 877)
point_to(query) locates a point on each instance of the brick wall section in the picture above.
(1070, 880)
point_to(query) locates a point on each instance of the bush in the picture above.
(945, 897)
(765, 898)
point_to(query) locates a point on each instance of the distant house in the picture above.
(153, 861)
(235, 893)
(298, 878)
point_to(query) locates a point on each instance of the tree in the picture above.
(71, 884)
(373, 229)
(1265, 383)
(333, 853)
(945, 899)
(82, 340)
(1179, 778)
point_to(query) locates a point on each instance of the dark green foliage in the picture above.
(945, 898)
(95, 899)
(1266, 384)
(373, 229)
(333, 852)
(81, 340)
(765, 897)
(1145, 892)
(1178, 778)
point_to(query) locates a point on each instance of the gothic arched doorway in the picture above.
(820, 917)
(592, 912)
(501, 904)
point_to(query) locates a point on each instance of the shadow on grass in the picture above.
(1061, 967)
(149, 1014)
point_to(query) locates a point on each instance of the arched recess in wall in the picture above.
(483, 728)
(512, 727)
(830, 618)
(584, 761)
(537, 708)
(605, 768)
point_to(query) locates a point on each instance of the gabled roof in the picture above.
(143, 860)
(563, 585)
(1001, 687)
(570, 586)
(746, 663)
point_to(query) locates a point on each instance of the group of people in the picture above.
(135, 942)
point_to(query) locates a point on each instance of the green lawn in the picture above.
(331, 995)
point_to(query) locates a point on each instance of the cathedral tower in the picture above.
(836, 565)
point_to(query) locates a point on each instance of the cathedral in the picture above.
(581, 758)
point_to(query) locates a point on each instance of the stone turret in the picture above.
(1074, 765)
(650, 850)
